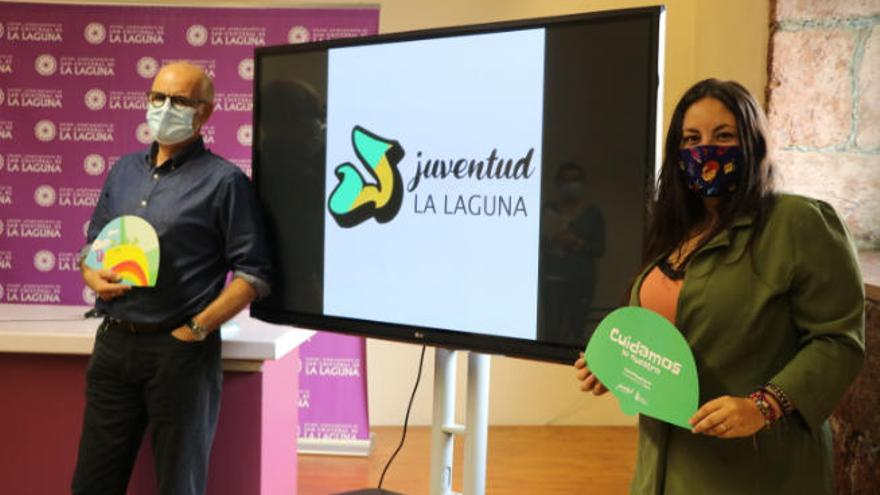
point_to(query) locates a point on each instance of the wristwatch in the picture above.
(198, 331)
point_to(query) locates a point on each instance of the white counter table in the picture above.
(44, 351)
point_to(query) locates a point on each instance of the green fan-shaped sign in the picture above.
(646, 363)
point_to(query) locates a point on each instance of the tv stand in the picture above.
(444, 428)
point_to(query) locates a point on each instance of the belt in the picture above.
(111, 323)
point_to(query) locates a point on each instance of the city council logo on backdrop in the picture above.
(95, 33)
(245, 135)
(94, 164)
(95, 99)
(197, 35)
(45, 130)
(143, 133)
(298, 34)
(147, 67)
(354, 199)
(44, 260)
(45, 64)
(45, 196)
(88, 296)
(246, 69)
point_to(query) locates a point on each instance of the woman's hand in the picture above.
(588, 381)
(728, 417)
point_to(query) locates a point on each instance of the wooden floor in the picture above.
(522, 460)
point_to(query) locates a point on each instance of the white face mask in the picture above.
(170, 125)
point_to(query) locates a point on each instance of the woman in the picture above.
(767, 292)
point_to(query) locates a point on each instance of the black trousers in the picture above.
(136, 380)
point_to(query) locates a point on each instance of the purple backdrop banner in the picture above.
(337, 363)
(72, 83)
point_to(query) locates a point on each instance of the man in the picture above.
(156, 358)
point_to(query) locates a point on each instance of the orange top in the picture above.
(659, 293)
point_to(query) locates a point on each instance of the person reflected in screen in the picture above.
(574, 239)
(766, 290)
(292, 154)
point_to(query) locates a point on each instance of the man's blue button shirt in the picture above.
(208, 221)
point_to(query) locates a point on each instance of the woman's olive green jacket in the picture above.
(787, 310)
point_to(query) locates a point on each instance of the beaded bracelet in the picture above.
(781, 397)
(767, 411)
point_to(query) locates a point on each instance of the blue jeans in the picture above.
(135, 380)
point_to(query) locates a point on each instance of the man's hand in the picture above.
(183, 334)
(104, 283)
(588, 381)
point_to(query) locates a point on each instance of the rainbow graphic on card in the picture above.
(128, 246)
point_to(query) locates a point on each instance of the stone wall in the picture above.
(823, 97)
(856, 422)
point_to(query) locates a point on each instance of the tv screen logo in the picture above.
(355, 200)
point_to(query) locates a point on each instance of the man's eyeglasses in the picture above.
(157, 100)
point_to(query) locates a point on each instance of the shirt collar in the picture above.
(178, 159)
(723, 238)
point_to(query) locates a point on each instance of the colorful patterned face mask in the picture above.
(711, 170)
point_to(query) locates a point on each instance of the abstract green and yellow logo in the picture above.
(355, 199)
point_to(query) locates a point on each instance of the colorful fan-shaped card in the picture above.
(128, 246)
(646, 363)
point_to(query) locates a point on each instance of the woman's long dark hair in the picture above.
(678, 210)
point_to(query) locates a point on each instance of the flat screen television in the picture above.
(479, 187)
